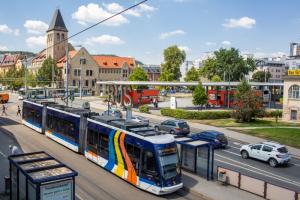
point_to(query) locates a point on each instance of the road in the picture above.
(92, 182)
(286, 176)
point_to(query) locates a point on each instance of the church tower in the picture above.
(57, 35)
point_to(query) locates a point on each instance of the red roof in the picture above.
(113, 61)
(61, 62)
(9, 60)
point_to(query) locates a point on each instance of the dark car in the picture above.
(113, 112)
(174, 127)
(218, 139)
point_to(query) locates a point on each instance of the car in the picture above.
(174, 127)
(113, 112)
(217, 139)
(141, 119)
(20, 97)
(271, 152)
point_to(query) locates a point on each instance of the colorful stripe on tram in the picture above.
(117, 152)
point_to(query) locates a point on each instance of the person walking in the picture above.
(14, 149)
(3, 110)
(19, 111)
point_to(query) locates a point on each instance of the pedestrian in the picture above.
(19, 111)
(3, 110)
(14, 149)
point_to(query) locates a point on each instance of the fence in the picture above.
(257, 186)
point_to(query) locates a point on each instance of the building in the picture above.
(278, 69)
(293, 63)
(295, 49)
(291, 96)
(153, 72)
(8, 61)
(184, 68)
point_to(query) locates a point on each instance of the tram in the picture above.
(131, 150)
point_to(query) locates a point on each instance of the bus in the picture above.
(130, 150)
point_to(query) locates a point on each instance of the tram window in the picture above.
(149, 166)
(103, 146)
(134, 155)
(92, 140)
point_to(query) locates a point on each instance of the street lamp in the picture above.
(80, 61)
(25, 71)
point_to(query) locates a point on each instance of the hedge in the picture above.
(144, 109)
(183, 114)
(273, 113)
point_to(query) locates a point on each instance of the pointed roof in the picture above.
(57, 22)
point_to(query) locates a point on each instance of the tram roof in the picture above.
(159, 83)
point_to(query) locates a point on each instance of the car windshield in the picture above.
(168, 158)
(221, 137)
(282, 150)
(182, 124)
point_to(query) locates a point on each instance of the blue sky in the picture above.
(264, 28)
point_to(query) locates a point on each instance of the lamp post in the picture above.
(80, 61)
(67, 74)
(25, 70)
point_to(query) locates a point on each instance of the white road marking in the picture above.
(78, 196)
(1, 153)
(256, 170)
(234, 147)
(232, 153)
(295, 164)
(238, 144)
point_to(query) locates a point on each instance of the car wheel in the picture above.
(172, 132)
(273, 162)
(245, 154)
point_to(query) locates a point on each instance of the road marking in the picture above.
(295, 164)
(232, 153)
(238, 144)
(78, 196)
(263, 172)
(234, 147)
(3, 154)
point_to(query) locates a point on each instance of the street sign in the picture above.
(294, 72)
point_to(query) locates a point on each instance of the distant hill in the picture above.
(27, 53)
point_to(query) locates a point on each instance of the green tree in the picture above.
(31, 79)
(216, 78)
(261, 76)
(173, 58)
(247, 104)
(228, 62)
(138, 74)
(14, 78)
(44, 75)
(199, 95)
(192, 75)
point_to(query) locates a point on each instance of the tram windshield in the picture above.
(168, 158)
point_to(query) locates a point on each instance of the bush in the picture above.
(144, 109)
(183, 114)
(273, 113)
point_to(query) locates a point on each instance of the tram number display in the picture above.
(58, 191)
(165, 151)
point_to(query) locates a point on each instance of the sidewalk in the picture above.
(229, 133)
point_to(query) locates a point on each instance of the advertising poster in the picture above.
(57, 191)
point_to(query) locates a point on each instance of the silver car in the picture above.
(174, 127)
(141, 119)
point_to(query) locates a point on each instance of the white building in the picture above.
(278, 69)
(187, 65)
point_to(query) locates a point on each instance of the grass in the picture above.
(257, 123)
(287, 136)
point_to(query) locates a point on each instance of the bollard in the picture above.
(7, 184)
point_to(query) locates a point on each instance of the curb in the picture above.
(196, 193)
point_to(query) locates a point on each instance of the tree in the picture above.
(14, 78)
(199, 95)
(192, 75)
(173, 58)
(227, 62)
(261, 76)
(31, 79)
(44, 75)
(248, 103)
(216, 78)
(138, 74)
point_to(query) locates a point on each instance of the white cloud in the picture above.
(3, 48)
(260, 54)
(184, 48)
(36, 26)
(180, 0)
(146, 8)
(16, 32)
(226, 43)
(210, 43)
(5, 29)
(93, 13)
(136, 12)
(170, 34)
(244, 22)
(104, 39)
(38, 41)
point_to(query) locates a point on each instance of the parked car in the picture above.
(141, 119)
(271, 152)
(218, 139)
(113, 112)
(174, 127)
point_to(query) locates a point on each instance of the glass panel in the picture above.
(31, 191)
(188, 157)
(202, 155)
(22, 186)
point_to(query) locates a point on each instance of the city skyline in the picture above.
(146, 31)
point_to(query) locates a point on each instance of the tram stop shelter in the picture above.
(39, 176)
(196, 156)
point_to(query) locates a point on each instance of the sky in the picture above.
(264, 28)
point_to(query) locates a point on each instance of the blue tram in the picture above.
(131, 150)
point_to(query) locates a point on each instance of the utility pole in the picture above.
(67, 74)
(53, 74)
(228, 91)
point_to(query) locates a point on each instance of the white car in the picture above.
(140, 119)
(20, 97)
(271, 152)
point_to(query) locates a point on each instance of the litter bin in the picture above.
(7, 184)
(222, 177)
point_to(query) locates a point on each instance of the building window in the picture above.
(87, 73)
(93, 83)
(82, 61)
(125, 73)
(74, 83)
(86, 83)
(58, 36)
(62, 36)
(294, 92)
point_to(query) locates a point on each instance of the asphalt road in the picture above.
(92, 182)
(285, 176)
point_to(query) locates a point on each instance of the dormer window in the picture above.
(115, 63)
(105, 63)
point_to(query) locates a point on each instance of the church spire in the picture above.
(57, 22)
